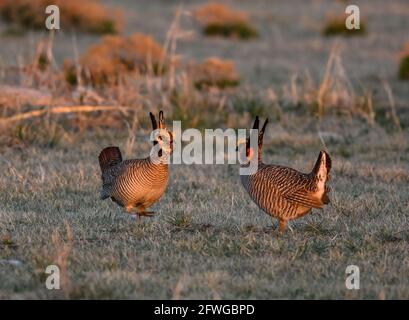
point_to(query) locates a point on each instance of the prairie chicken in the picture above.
(283, 192)
(138, 183)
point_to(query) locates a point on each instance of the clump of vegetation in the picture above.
(214, 72)
(116, 57)
(220, 20)
(403, 72)
(336, 26)
(180, 221)
(83, 15)
(334, 94)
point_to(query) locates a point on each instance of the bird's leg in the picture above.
(129, 209)
(146, 213)
(282, 225)
(141, 212)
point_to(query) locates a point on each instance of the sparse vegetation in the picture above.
(218, 19)
(80, 15)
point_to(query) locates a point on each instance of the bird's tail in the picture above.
(321, 172)
(109, 157)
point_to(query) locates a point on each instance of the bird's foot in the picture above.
(146, 214)
(281, 227)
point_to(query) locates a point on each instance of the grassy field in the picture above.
(207, 239)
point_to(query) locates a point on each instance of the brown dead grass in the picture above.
(219, 19)
(116, 57)
(217, 13)
(334, 94)
(214, 72)
(82, 15)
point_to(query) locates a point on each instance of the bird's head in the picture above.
(161, 135)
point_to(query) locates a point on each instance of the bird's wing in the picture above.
(294, 186)
(304, 197)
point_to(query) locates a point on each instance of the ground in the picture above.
(207, 239)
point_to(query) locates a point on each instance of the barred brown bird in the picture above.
(283, 192)
(138, 183)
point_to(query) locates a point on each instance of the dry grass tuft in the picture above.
(403, 72)
(335, 25)
(116, 57)
(214, 72)
(220, 20)
(334, 95)
(82, 15)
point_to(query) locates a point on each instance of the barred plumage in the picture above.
(135, 184)
(283, 192)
